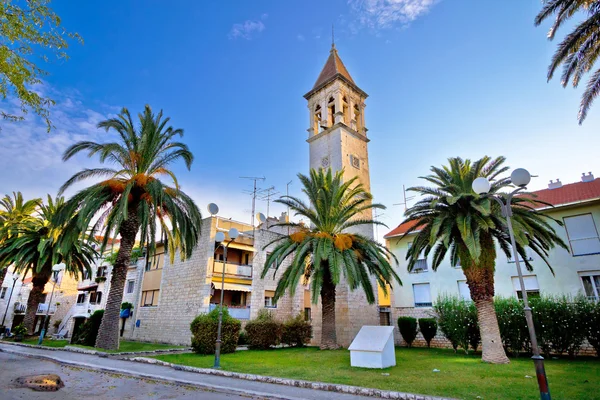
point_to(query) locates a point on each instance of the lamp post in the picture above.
(15, 279)
(520, 177)
(220, 238)
(56, 270)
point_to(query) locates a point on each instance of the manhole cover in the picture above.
(42, 383)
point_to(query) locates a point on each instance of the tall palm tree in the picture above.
(14, 213)
(42, 243)
(578, 51)
(326, 253)
(453, 219)
(133, 200)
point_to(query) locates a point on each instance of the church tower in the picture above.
(337, 138)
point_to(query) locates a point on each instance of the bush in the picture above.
(428, 328)
(513, 326)
(126, 306)
(457, 320)
(296, 331)
(592, 331)
(264, 331)
(408, 329)
(89, 330)
(204, 332)
(243, 339)
(20, 330)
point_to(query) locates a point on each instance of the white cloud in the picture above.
(381, 14)
(247, 29)
(300, 38)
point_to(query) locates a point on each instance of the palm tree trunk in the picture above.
(328, 334)
(481, 286)
(35, 296)
(108, 333)
(3, 275)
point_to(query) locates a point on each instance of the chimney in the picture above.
(587, 178)
(555, 185)
(284, 217)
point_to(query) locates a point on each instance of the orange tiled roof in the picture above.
(334, 68)
(110, 240)
(27, 280)
(571, 193)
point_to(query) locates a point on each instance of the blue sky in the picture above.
(445, 78)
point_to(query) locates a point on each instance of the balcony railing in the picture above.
(42, 308)
(233, 269)
(20, 308)
(236, 312)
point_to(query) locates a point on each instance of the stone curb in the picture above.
(330, 387)
(139, 375)
(74, 349)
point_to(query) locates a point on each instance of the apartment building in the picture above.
(577, 271)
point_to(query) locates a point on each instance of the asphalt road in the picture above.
(87, 384)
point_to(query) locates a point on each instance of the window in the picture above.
(3, 293)
(269, 299)
(86, 275)
(150, 298)
(130, 285)
(95, 297)
(591, 285)
(43, 298)
(81, 298)
(355, 161)
(307, 314)
(420, 264)
(463, 290)
(527, 252)
(246, 259)
(157, 261)
(101, 272)
(531, 286)
(583, 235)
(422, 295)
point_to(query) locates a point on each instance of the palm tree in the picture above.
(16, 211)
(133, 200)
(326, 253)
(452, 218)
(41, 243)
(579, 50)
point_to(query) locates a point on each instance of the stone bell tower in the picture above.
(337, 137)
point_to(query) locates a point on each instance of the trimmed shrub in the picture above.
(428, 328)
(296, 331)
(89, 330)
(592, 331)
(264, 331)
(408, 329)
(513, 326)
(204, 332)
(243, 339)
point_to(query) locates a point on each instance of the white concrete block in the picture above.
(373, 347)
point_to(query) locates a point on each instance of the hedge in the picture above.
(562, 323)
(264, 331)
(89, 330)
(296, 331)
(408, 329)
(204, 332)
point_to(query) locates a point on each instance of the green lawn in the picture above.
(125, 346)
(47, 342)
(460, 376)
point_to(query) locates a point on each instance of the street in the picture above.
(80, 382)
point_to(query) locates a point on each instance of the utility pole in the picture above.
(253, 192)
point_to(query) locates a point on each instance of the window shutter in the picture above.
(531, 283)
(422, 294)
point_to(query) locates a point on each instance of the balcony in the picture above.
(233, 269)
(240, 312)
(42, 308)
(20, 308)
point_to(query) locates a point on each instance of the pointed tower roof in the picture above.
(334, 68)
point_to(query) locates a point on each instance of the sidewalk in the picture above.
(159, 372)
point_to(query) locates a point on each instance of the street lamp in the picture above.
(220, 238)
(15, 279)
(56, 270)
(520, 177)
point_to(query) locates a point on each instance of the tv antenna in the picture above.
(253, 193)
(266, 195)
(287, 194)
(406, 199)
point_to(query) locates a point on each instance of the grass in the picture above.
(461, 376)
(125, 346)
